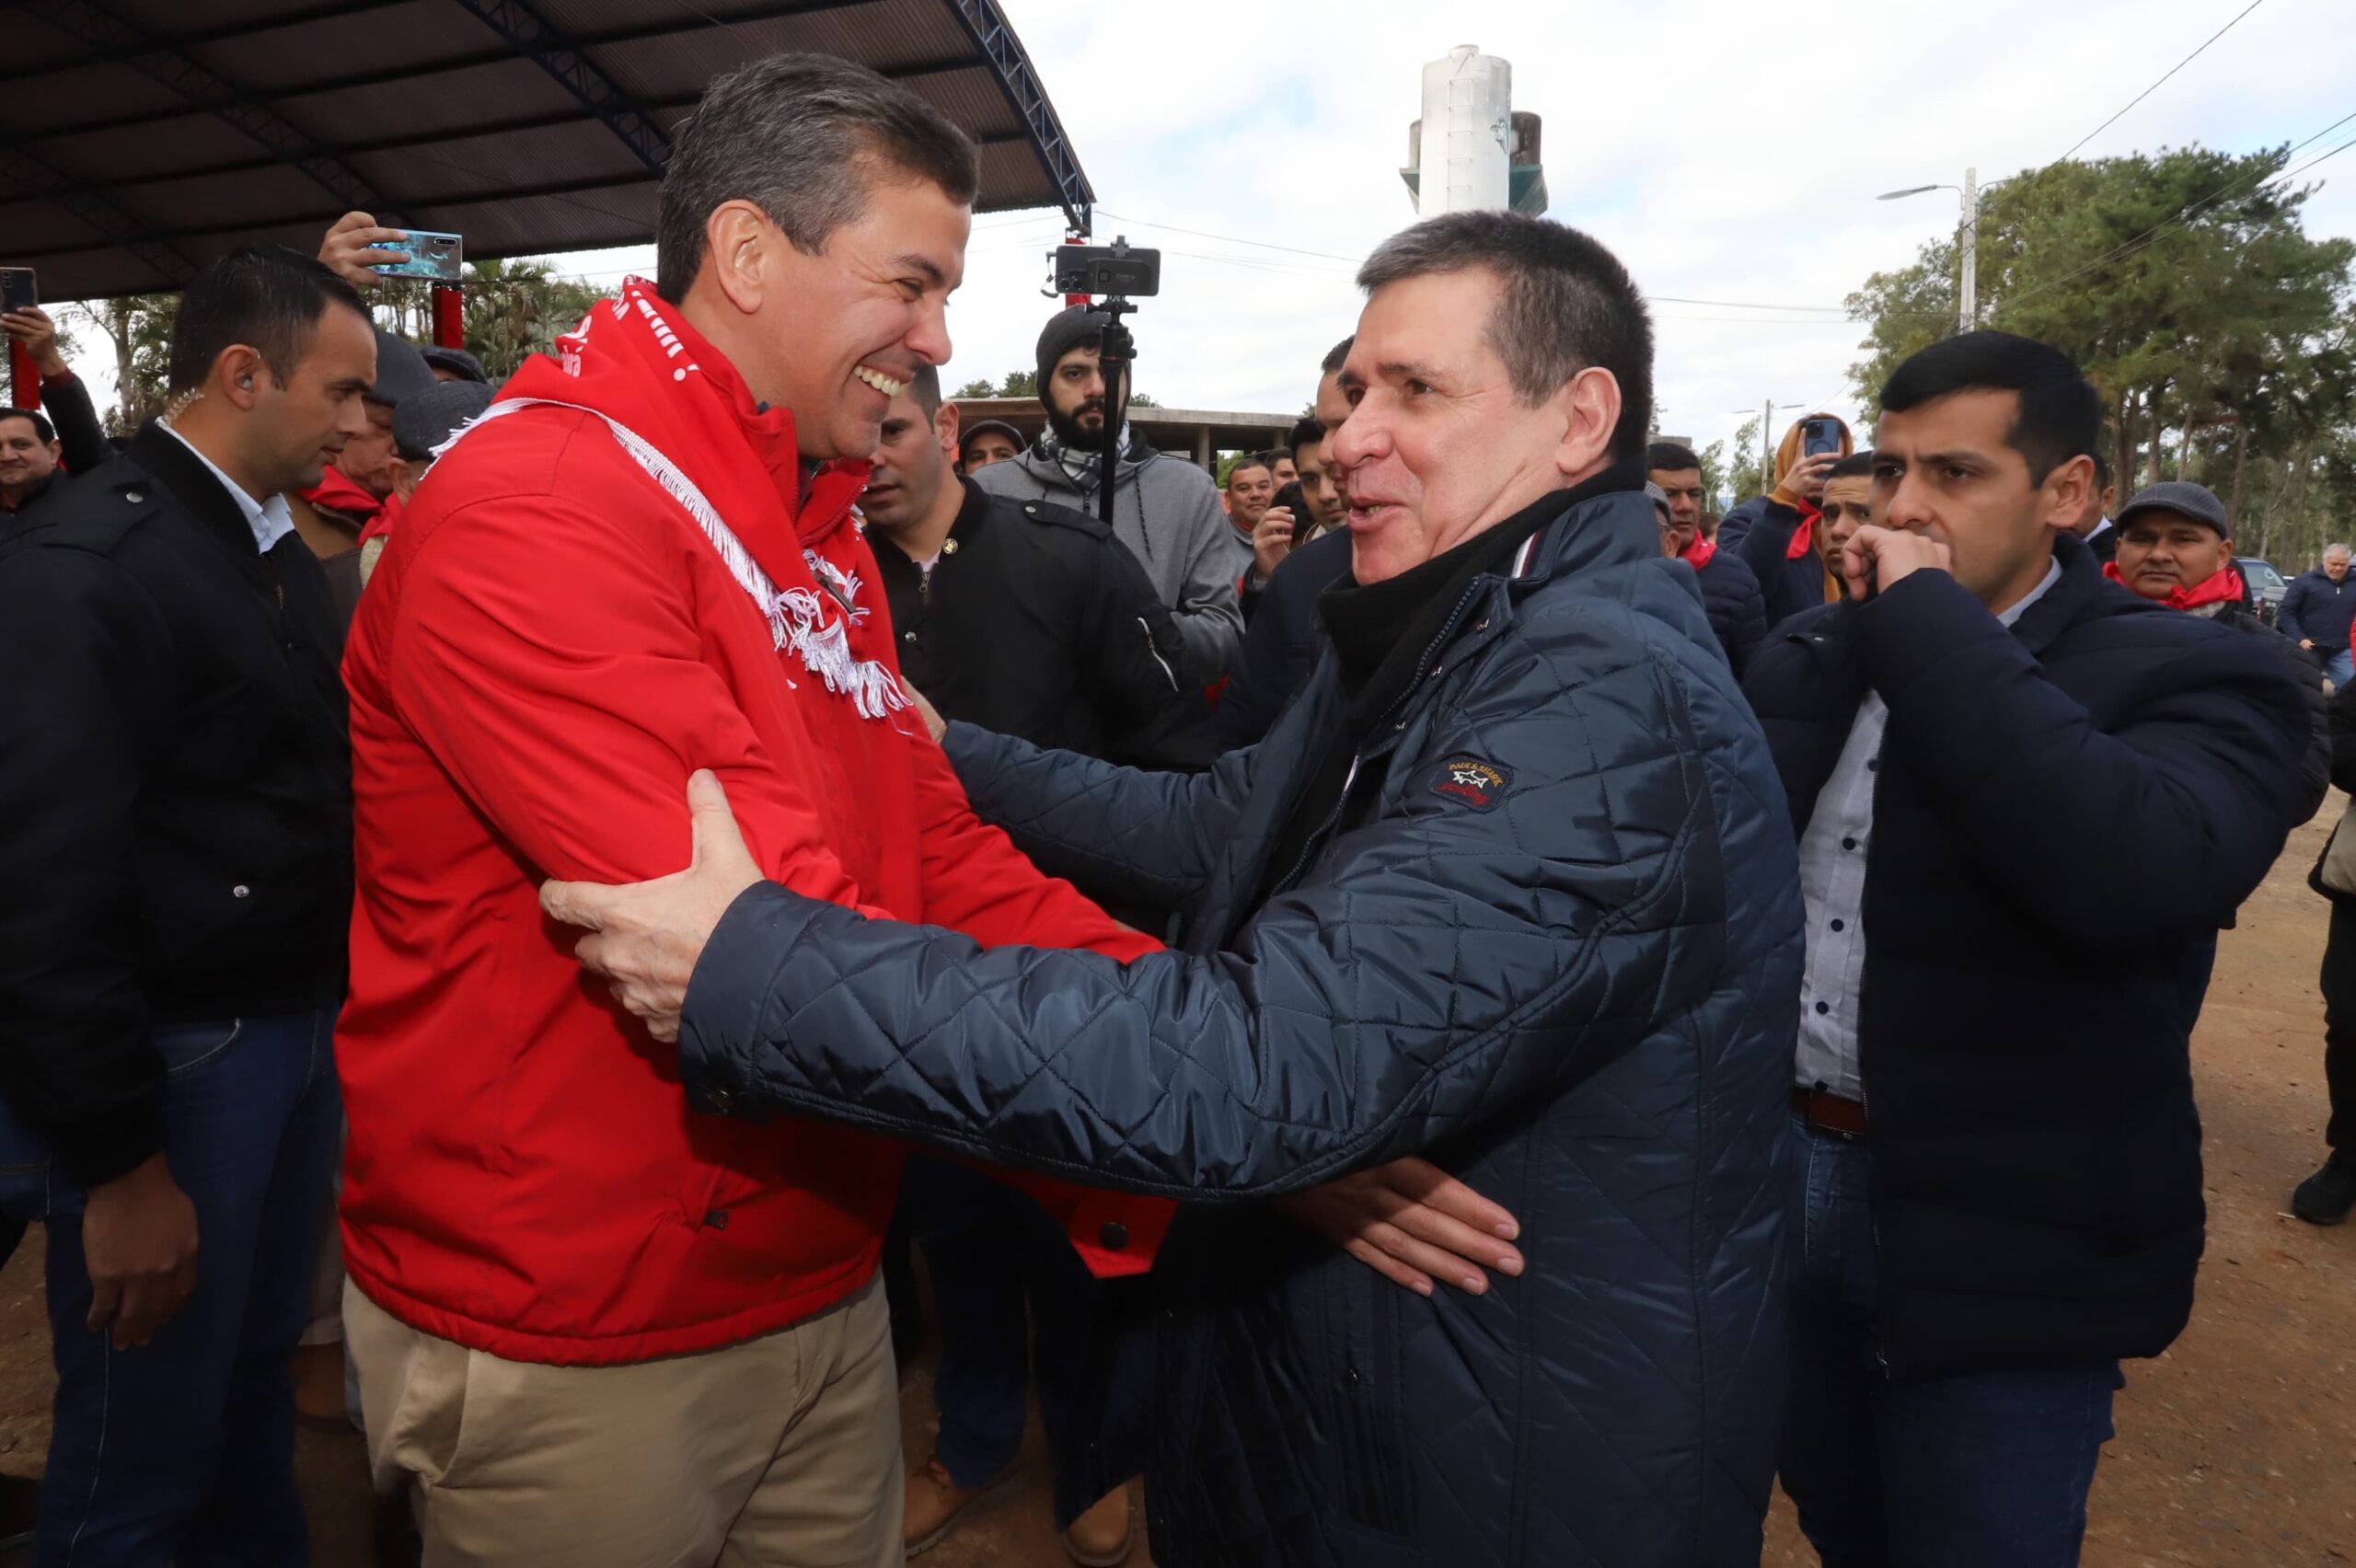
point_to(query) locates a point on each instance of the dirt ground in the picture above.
(2236, 1450)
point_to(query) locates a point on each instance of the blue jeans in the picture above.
(988, 1247)
(182, 1452)
(1983, 1470)
(2340, 666)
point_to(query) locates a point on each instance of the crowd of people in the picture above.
(1426, 994)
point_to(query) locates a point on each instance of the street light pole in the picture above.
(1969, 317)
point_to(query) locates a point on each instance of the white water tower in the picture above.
(1471, 152)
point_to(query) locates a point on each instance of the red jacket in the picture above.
(550, 644)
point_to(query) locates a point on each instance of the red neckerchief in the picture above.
(381, 525)
(2225, 584)
(1803, 536)
(1699, 552)
(337, 491)
(635, 360)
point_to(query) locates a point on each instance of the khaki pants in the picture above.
(782, 1452)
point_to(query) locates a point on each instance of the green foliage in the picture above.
(1019, 384)
(1716, 493)
(1139, 400)
(1744, 478)
(978, 387)
(138, 333)
(2218, 331)
(516, 308)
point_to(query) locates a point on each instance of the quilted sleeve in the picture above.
(1153, 838)
(1470, 949)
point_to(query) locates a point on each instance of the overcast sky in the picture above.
(1726, 150)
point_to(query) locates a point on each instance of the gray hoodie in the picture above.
(1167, 512)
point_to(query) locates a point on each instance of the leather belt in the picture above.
(1830, 1113)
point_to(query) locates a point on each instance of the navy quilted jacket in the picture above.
(1759, 532)
(1551, 942)
(1737, 609)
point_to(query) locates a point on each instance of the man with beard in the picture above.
(1165, 509)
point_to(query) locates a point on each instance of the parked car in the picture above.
(2267, 587)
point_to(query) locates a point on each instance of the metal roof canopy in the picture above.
(140, 139)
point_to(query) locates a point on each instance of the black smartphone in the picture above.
(18, 290)
(1818, 437)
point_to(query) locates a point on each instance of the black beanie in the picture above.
(1078, 327)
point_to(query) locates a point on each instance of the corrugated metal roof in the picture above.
(141, 138)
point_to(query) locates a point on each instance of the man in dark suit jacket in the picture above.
(175, 773)
(2027, 799)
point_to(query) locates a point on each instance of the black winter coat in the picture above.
(2314, 772)
(1760, 532)
(1557, 952)
(1035, 621)
(178, 786)
(2318, 610)
(2065, 815)
(1737, 609)
(1281, 642)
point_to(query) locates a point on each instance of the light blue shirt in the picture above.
(271, 520)
(1832, 886)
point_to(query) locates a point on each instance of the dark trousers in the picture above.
(988, 1248)
(182, 1452)
(2340, 1025)
(1985, 1470)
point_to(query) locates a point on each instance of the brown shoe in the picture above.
(1102, 1537)
(936, 1501)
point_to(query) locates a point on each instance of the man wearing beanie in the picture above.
(1164, 509)
(333, 515)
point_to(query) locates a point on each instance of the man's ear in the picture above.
(2066, 491)
(1591, 405)
(240, 375)
(736, 253)
(948, 423)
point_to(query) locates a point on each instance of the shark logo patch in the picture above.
(1475, 783)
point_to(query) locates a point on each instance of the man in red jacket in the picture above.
(593, 1325)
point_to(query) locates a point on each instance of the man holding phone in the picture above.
(1775, 533)
(75, 440)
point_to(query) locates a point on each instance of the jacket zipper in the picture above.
(1423, 662)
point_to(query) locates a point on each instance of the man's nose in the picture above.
(929, 339)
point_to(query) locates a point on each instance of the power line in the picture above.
(1231, 239)
(2155, 87)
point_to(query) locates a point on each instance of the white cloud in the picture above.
(1726, 150)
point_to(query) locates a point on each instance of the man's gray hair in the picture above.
(2338, 549)
(1567, 306)
(803, 137)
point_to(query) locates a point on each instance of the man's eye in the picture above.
(1416, 388)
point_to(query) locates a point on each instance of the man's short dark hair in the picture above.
(1335, 355)
(1306, 431)
(43, 432)
(800, 136)
(1567, 304)
(924, 387)
(1668, 457)
(2061, 414)
(1249, 460)
(265, 296)
(1856, 466)
(1275, 454)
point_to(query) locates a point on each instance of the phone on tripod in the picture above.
(1106, 270)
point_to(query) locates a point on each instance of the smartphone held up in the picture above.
(437, 257)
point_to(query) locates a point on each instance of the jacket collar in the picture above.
(167, 459)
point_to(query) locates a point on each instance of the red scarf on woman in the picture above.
(1803, 536)
(2226, 585)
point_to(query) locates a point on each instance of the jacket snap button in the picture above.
(1114, 1235)
(241, 891)
(1349, 1376)
(949, 547)
(717, 1219)
(134, 497)
(907, 636)
(1480, 625)
(719, 1099)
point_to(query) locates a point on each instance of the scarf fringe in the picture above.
(797, 617)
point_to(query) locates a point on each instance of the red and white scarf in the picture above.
(680, 412)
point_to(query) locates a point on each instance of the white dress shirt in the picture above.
(271, 520)
(1833, 885)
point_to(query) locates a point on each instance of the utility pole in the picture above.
(1767, 448)
(1968, 317)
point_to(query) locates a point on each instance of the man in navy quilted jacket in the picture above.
(1510, 885)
